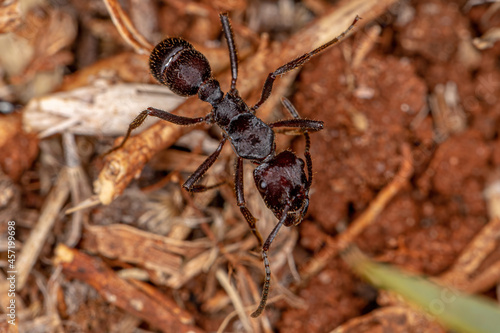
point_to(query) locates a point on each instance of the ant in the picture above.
(280, 178)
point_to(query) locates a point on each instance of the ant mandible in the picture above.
(280, 178)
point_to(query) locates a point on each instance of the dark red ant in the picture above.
(280, 178)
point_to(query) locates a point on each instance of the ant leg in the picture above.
(293, 111)
(172, 118)
(203, 188)
(267, 267)
(307, 155)
(297, 62)
(289, 107)
(189, 184)
(233, 55)
(240, 198)
(303, 124)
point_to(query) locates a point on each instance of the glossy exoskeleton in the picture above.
(281, 178)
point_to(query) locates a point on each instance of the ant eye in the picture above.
(262, 185)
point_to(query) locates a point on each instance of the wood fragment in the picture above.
(144, 302)
(465, 267)
(447, 111)
(487, 40)
(486, 280)
(464, 274)
(151, 251)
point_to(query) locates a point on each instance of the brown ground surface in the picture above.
(422, 84)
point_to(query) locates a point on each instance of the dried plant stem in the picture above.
(235, 299)
(79, 187)
(126, 29)
(51, 209)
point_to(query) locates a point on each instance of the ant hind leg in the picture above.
(233, 55)
(240, 198)
(299, 125)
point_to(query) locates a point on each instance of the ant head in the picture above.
(282, 182)
(176, 64)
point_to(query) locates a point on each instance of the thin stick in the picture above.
(235, 299)
(51, 208)
(126, 29)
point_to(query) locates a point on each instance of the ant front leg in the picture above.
(233, 55)
(240, 197)
(267, 267)
(172, 118)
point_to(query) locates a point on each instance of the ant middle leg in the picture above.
(172, 118)
(303, 125)
(297, 62)
(240, 198)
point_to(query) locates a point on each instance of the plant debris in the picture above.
(407, 168)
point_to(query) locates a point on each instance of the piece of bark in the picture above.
(145, 302)
(131, 245)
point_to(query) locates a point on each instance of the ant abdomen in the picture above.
(175, 63)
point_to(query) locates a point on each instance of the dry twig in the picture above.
(127, 29)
